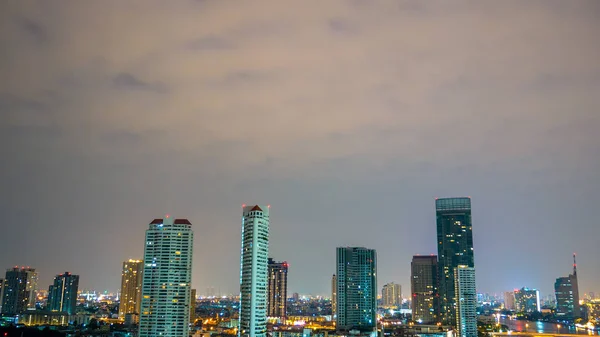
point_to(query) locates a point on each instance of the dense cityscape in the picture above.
(156, 298)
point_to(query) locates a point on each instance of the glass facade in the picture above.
(277, 289)
(424, 289)
(356, 289)
(62, 295)
(455, 247)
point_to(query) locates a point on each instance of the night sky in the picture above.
(347, 117)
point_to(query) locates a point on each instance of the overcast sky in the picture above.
(347, 117)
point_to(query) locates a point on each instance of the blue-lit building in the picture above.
(356, 278)
(62, 295)
(455, 247)
(254, 271)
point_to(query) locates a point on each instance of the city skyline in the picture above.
(349, 118)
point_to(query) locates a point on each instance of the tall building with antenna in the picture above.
(566, 290)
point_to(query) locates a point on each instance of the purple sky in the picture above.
(348, 117)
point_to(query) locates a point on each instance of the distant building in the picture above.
(254, 271)
(424, 289)
(19, 290)
(509, 300)
(1, 293)
(566, 290)
(527, 300)
(131, 287)
(356, 289)
(594, 311)
(466, 301)
(391, 295)
(192, 305)
(455, 247)
(333, 296)
(62, 294)
(277, 289)
(296, 296)
(166, 279)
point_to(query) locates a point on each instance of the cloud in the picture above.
(127, 80)
(345, 114)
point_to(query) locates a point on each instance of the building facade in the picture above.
(566, 290)
(62, 294)
(391, 296)
(1, 293)
(356, 307)
(527, 300)
(333, 296)
(166, 279)
(20, 287)
(131, 287)
(466, 301)
(509, 300)
(254, 271)
(455, 247)
(424, 289)
(277, 289)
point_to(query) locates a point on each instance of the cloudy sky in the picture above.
(348, 117)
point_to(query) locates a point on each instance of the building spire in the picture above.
(574, 265)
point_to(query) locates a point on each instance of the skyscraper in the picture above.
(509, 300)
(333, 296)
(566, 290)
(193, 306)
(62, 295)
(356, 289)
(19, 290)
(455, 247)
(277, 289)
(527, 300)
(466, 301)
(166, 279)
(131, 287)
(1, 293)
(254, 271)
(424, 289)
(391, 295)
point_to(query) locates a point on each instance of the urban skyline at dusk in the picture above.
(348, 118)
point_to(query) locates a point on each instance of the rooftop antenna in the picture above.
(574, 265)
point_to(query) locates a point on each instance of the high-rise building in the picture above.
(356, 289)
(566, 290)
(254, 271)
(193, 306)
(509, 300)
(1, 293)
(131, 287)
(424, 289)
(455, 247)
(527, 300)
(333, 296)
(391, 295)
(62, 294)
(19, 290)
(277, 289)
(166, 279)
(466, 301)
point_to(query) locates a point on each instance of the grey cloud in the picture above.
(342, 26)
(210, 43)
(129, 81)
(34, 30)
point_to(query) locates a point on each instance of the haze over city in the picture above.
(348, 117)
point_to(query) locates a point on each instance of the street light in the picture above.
(557, 328)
